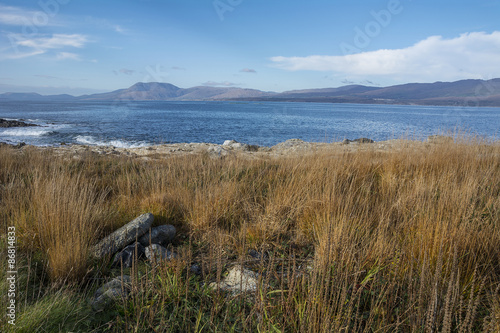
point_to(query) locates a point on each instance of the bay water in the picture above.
(136, 124)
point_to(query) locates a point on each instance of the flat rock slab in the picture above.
(238, 280)
(123, 236)
(162, 235)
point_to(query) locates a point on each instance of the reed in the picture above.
(357, 241)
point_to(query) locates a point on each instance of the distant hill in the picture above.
(464, 92)
(155, 91)
(35, 97)
(459, 93)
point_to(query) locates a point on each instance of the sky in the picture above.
(85, 46)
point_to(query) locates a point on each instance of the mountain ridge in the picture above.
(457, 93)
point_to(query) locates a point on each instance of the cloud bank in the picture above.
(471, 55)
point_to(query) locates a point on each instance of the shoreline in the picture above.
(290, 147)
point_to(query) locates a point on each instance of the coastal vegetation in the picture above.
(341, 241)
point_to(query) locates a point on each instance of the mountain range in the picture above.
(458, 93)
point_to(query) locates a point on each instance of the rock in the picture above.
(257, 255)
(14, 123)
(291, 144)
(238, 280)
(217, 152)
(111, 292)
(123, 236)
(439, 139)
(20, 145)
(156, 252)
(196, 269)
(363, 140)
(229, 142)
(128, 255)
(240, 146)
(346, 141)
(162, 235)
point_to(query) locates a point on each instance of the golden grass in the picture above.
(406, 240)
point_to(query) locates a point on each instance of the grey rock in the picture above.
(346, 141)
(123, 236)
(117, 283)
(363, 140)
(229, 142)
(196, 269)
(217, 152)
(162, 235)
(128, 255)
(238, 280)
(240, 146)
(257, 255)
(107, 299)
(14, 123)
(111, 292)
(235, 145)
(156, 252)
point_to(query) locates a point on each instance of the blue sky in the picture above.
(86, 46)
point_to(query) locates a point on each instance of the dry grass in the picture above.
(395, 241)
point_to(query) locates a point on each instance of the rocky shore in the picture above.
(14, 123)
(229, 148)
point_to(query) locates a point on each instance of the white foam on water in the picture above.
(26, 131)
(89, 140)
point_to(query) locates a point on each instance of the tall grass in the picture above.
(357, 241)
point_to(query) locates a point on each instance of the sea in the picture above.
(140, 124)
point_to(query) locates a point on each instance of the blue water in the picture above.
(133, 124)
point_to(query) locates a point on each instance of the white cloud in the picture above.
(55, 42)
(471, 55)
(22, 47)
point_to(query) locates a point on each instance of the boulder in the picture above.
(196, 269)
(162, 235)
(346, 141)
(123, 236)
(258, 255)
(111, 292)
(238, 280)
(156, 252)
(217, 152)
(128, 255)
(14, 123)
(229, 142)
(363, 140)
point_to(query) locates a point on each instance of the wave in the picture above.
(89, 140)
(26, 131)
